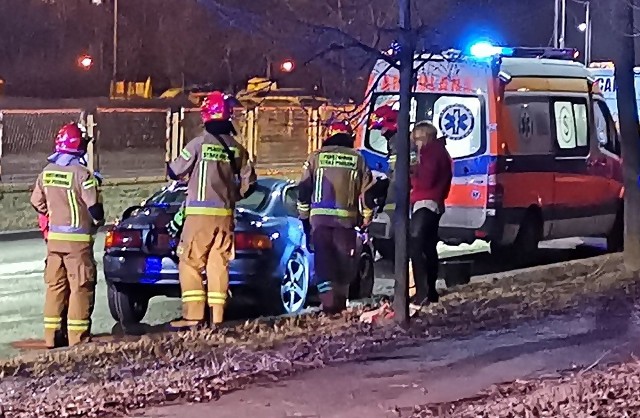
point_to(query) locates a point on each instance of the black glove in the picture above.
(173, 229)
(306, 226)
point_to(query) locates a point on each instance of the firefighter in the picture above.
(66, 192)
(219, 174)
(335, 184)
(384, 119)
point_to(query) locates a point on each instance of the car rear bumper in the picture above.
(458, 225)
(256, 270)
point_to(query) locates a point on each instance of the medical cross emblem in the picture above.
(456, 121)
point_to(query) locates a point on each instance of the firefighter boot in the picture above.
(327, 298)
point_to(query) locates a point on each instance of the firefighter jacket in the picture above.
(69, 197)
(334, 187)
(216, 182)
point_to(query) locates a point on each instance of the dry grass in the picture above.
(114, 378)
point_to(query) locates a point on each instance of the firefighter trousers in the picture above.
(70, 278)
(206, 245)
(335, 263)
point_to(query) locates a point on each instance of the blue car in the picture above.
(272, 266)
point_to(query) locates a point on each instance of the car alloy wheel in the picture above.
(295, 284)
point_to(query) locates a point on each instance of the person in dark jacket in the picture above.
(430, 185)
(334, 199)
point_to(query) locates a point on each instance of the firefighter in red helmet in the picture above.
(385, 120)
(333, 190)
(220, 173)
(66, 192)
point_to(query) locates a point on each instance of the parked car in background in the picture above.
(272, 267)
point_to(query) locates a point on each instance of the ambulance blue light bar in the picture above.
(487, 50)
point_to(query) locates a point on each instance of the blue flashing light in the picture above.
(153, 265)
(486, 50)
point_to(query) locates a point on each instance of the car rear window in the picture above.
(258, 200)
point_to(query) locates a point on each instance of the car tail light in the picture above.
(495, 190)
(248, 241)
(123, 239)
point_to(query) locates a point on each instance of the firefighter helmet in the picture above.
(384, 118)
(71, 139)
(339, 127)
(216, 107)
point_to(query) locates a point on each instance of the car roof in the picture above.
(268, 182)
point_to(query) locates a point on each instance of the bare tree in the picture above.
(628, 119)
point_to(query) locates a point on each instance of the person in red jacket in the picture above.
(430, 185)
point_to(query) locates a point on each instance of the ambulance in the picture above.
(603, 74)
(536, 151)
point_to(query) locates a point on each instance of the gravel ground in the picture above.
(115, 378)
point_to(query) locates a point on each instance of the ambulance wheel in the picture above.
(124, 307)
(525, 246)
(362, 286)
(615, 238)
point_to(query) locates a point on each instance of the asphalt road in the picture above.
(22, 287)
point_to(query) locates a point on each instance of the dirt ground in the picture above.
(391, 385)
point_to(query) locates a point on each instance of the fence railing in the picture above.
(137, 142)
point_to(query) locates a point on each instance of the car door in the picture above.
(579, 194)
(609, 163)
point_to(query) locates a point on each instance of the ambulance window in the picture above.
(582, 123)
(530, 123)
(571, 126)
(605, 128)
(375, 141)
(459, 119)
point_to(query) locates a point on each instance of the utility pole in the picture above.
(587, 33)
(115, 41)
(556, 24)
(401, 289)
(563, 27)
(343, 77)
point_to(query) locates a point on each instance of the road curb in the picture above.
(598, 265)
(10, 236)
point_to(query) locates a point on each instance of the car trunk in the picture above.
(145, 231)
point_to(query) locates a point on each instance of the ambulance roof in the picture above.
(537, 67)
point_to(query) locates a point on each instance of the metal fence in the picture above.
(137, 142)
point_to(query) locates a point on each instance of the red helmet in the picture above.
(339, 127)
(216, 106)
(384, 118)
(71, 140)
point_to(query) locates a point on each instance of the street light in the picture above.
(85, 62)
(115, 35)
(287, 66)
(585, 27)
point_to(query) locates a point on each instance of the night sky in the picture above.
(192, 40)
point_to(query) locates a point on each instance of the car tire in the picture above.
(124, 307)
(362, 287)
(283, 298)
